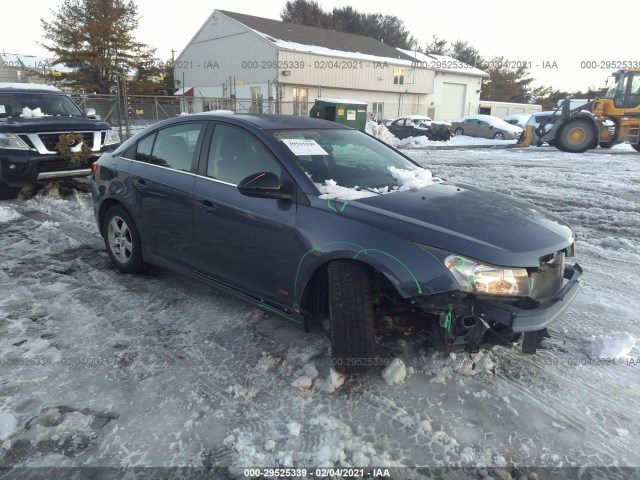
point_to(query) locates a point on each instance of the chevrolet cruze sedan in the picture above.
(308, 219)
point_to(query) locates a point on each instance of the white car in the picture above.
(519, 119)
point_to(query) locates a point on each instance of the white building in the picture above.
(263, 65)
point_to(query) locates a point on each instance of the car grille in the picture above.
(61, 165)
(547, 280)
(50, 140)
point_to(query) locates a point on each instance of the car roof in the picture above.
(27, 88)
(268, 121)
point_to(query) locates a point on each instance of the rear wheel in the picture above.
(458, 131)
(7, 192)
(577, 136)
(351, 315)
(122, 240)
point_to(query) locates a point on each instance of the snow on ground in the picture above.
(99, 368)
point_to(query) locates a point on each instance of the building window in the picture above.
(377, 111)
(398, 76)
(300, 105)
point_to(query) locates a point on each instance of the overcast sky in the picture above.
(568, 32)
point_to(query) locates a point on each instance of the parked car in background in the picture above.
(519, 119)
(45, 136)
(419, 125)
(307, 218)
(485, 126)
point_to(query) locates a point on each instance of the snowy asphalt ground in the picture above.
(98, 368)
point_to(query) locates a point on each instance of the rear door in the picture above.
(250, 243)
(163, 177)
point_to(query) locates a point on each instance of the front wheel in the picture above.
(351, 315)
(577, 136)
(122, 240)
(458, 131)
(499, 136)
(7, 192)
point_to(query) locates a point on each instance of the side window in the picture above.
(174, 146)
(143, 151)
(483, 123)
(235, 154)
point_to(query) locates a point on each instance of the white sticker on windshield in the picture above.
(304, 147)
(2, 110)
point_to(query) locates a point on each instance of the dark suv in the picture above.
(308, 219)
(45, 136)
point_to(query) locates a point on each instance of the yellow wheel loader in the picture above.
(604, 121)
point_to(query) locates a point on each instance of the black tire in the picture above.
(351, 315)
(7, 192)
(458, 131)
(577, 136)
(606, 144)
(499, 136)
(122, 240)
(636, 147)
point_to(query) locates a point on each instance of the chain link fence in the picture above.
(135, 112)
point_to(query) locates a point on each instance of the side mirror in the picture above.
(264, 185)
(490, 127)
(90, 112)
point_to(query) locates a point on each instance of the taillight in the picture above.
(94, 167)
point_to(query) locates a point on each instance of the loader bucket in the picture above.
(526, 138)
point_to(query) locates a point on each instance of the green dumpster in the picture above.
(341, 110)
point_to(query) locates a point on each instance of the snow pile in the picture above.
(408, 179)
(381, 132)
(332, 383)
(331, 190)
(413, 179)
(457, 141)
(395, 372)
(28, 113)
(611, 346)
(7, 214)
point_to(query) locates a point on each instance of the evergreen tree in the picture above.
(387, 28)
(305, 12)
(438, 46)
(506, 82)
(95, 38)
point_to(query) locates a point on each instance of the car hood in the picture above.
(51, 123)
(469, 221)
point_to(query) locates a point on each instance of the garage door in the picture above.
(453, 99)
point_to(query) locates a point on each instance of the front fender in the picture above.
(412, 271)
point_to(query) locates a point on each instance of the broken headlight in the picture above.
(476, 277)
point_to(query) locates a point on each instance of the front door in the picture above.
(250, 243)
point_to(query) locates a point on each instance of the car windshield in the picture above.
(350, 159)
(37, 105)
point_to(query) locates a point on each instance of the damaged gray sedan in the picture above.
(308, 219)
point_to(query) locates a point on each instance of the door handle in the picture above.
(206, 206)
(140, 185)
